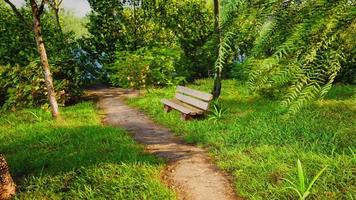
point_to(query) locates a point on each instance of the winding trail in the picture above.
(190, 172)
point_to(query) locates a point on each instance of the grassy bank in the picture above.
(260, 147)
(76, 158)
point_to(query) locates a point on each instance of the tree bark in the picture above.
(217, 78)
(7, 185)
(36, 15)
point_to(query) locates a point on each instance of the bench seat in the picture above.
(182, 107)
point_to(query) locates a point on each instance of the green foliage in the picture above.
(15, 38)
(302, 191)
(106, 28)
(144, 68)
(218, 112)
(186, 24)
(22, 84)
(191, 21)
(258, 146)
(115, 28)
(303, 46)
(142, 31)
(77, 158)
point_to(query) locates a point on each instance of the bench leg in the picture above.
(185, 117)
(167, 108)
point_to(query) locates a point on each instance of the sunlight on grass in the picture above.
(77, 158)
(259, 146)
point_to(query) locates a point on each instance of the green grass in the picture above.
(77, 158)
(259, 146)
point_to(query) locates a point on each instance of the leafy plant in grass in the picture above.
(218, 112)
(300, 188)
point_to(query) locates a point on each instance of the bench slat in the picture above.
(195, 93)
(194, 109)
(182, 107)
(192, 101)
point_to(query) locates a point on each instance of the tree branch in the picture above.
(41, 8)
(18, 14)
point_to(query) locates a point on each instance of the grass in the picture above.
(77, 158)
(259, 146)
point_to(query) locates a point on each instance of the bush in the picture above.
(145, 67)
(24, 86)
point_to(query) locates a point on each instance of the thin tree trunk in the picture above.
(56, 13)
(36, 14)
(7, 185)
(55, 5)
(217, 79)
(217, 84)
(216, 17)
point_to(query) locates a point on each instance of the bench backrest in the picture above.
(194, 97)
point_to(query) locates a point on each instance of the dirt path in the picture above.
(190, 172)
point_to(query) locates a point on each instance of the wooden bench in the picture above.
(189, 102)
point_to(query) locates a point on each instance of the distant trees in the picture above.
(186, 25)
(106, 28)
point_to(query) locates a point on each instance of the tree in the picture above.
(7, 185)
(106, 27)
(37, 10)
(192, 25)
(55, 5)
(217, 79)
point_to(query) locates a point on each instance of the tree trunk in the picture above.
(216, 17)
(56, 13)
(7, 185)
(217, 84)
(36, 15)
(217, 79)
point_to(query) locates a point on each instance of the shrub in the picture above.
(145, 67)
(24, 86)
